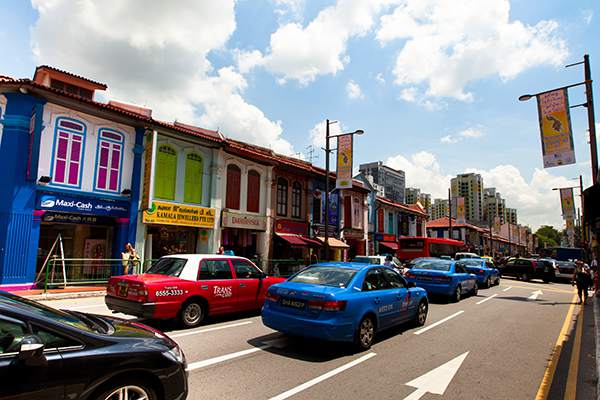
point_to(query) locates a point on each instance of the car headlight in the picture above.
(175, 354)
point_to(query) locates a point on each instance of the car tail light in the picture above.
(332, 305)
(270, 296)
(480, 271)
(409, 275)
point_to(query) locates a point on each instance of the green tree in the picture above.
(548, 236)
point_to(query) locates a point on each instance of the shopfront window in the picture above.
(296, 200)
(234, 175)
(253, 202)
(165, 172)
(357, 221)
(192, 192)
(391, 222)
(109, 156)
(69, 143)
(282, 197)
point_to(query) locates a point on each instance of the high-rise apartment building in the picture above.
(510, 216)
(393, 181)
(493, 205)
(439, 208)
(414, 195)
(469, 186)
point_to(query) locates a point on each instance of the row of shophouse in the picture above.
(100, 175)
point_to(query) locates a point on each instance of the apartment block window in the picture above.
(234, 176)
(296, 200)
(69, 143)
(282, 197)
(109, 158)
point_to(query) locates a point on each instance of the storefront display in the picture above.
(240, 232)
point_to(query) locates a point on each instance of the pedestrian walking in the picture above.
(596, 271)
(581, 278)
(221, 250)
(130, 259)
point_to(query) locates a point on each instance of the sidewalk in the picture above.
(60, 294)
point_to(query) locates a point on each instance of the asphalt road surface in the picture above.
(492, 346)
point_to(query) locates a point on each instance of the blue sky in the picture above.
(434, 84)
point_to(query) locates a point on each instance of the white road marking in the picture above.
(323, 377)
(437, 380)
(507, 289)
(534, 295)
(101, 305)
(486, 299)
(216, 328)
(438, 323)
(220, 359)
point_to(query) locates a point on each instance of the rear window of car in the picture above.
(326, 276)
(471, 263)
(434, 265)
(366, 260)
(168, 266)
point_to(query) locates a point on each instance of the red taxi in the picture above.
(190, 287)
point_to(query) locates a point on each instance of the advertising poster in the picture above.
(570, 226)
(567, 203)
(460, 210)
(555, 128)
(497, 224)
(344, 163)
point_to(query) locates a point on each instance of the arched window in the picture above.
(194, 166)
(282, 197)
(165, 172)
(296, 200)
(109, 157)
(67, 157)
(253, 202)
(234, 175)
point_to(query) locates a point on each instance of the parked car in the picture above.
(377, 260)
(51, 354)
(346, 302)
(487, 274)
(565, 269)
(190, 287)
(443, 277)
(527, 268)
(416, 261)
(461, 255)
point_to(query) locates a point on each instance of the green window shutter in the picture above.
(192, 192)
(165, 173)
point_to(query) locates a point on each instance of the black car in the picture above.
(528, 268)
(51, 354)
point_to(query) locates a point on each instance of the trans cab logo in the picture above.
(223, 291)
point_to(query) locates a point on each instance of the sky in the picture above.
(433, 83)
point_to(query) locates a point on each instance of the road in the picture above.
(498, 344)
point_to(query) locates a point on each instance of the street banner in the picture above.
(555, 128)
(567, 203)
(344, 162)
(497, 224)
(523, 235)
(570, 226)
(179, 214)
(460, 211)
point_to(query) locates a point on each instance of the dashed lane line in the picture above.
(439, 322)
(507, 289)
(486, 299)
(323, 377)
(220, 359)
(216, 328)
(544, 288)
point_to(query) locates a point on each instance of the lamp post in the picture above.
(589, 104)
(328, 150)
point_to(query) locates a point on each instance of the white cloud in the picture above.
(246, 60)
(379, 78)
(354, 91)
(469, 133)
(301, 53)
(289, 8)
(157, 58)
(587, 16)
(317, 134)
(449, 139)
(449, 44)
(423, 171)
(408, 94)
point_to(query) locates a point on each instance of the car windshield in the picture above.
(434, 265)
(73, 319)
(366, 260)
(471, 262)
(326, 276)
(169, 266)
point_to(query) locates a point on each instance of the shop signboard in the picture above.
(567, 203)
(83, 205)
(555, 128)
(179, 215)
(70, 218)
(344, 163)
(292, 227)
(385, 237)
(231, 219)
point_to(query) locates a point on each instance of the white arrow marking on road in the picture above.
(437, 380)
(534, 295)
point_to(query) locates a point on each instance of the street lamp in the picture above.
(327, 152)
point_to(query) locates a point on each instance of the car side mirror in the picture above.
(32, 351)
(410, 284)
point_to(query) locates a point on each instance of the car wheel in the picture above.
(457, 294)
(365, 332)
(192, 314)
(131, 389)
(524, 276)
(421, 316)
(475, 290)
(488, 282)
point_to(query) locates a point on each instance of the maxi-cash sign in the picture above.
(82, 205)
(179, 214)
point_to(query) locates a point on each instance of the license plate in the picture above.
(122, 291)
(292, 303)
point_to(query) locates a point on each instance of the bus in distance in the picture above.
(414, 247)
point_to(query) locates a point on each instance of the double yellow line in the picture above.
(571, 388)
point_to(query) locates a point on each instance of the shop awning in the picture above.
(298, 240)
(334, 243)
(389, 245)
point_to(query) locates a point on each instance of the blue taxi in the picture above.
(346, 302)
(484, 269)
(443, 277)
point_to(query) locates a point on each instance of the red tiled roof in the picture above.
(4, 78)
(405, 207)
(443, 223)
(215, 134)
(47, 67)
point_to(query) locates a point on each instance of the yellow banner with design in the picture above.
(555, 128)
(179, 214)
